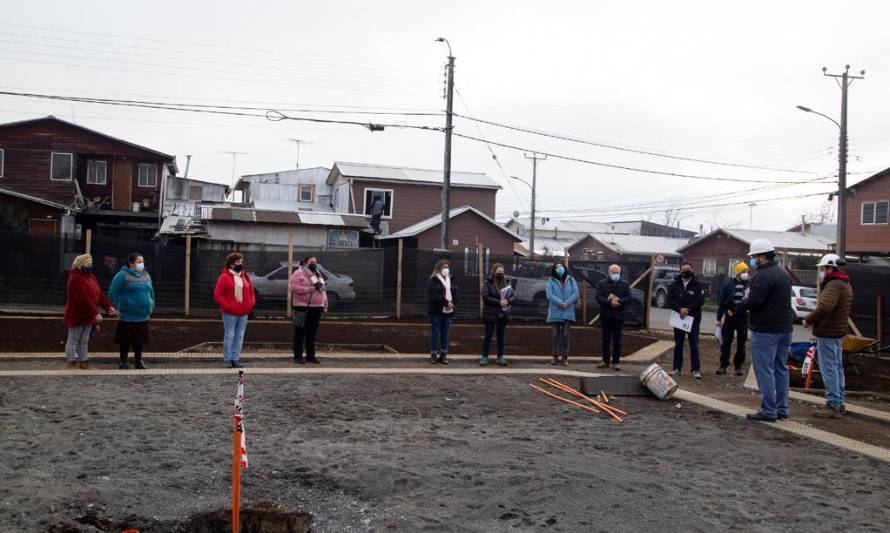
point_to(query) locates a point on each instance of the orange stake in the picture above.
(560, 398)
(613, 411)
(236, 477)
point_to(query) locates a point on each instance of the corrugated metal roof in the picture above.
(559, 225)
(282, 217)
(417, 175)
(291, 205)
(545, 246)
(433, 221)
(640, 244)
(273, 217)
(333, 219)
(781, 240)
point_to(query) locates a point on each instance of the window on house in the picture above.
(371, 195)
(148, 175)
(2, 161)
(709, 267)
(61, 166)
(96, 172)
(195, 192)
(875, 212)
(307, 193)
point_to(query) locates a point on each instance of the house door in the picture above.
(42, 227)
(122, 185)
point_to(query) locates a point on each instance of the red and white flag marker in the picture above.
(239, 452)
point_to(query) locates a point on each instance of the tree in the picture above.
(11, 219)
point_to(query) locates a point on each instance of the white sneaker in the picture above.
(675, 372)
(696, 375)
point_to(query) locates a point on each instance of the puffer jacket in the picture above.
(132, 294)
(769, 300)
(491, 299)
(831, 316)
(562, 292)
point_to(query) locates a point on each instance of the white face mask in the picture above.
(140, 267)
(744, 276)
(821, 275)
(615, 277)
(445, 272)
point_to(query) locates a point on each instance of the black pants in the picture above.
(490, 327)
(679, 341)
(738, 328)
(307, 333)
(612, 331)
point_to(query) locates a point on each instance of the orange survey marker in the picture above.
(560, 398)
(614, 412)
(239, 452)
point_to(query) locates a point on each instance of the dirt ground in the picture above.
(48, 334)
(433, 453)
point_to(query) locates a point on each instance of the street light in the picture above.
(840, 245)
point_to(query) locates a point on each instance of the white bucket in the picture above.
(659, 382)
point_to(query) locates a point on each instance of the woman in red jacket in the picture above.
(82, 310)
(234, 295)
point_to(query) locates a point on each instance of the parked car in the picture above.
(530, 284)
(803, 301)
(664, 276)
(273, 285)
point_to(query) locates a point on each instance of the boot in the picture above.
(138, 362)
(829, 412)
(123, 364)
(554, 360)
(603, 365)
(721, 371)
(298, 360)
(434, 357)
(565, 361)
(72, 365)
(443, 358)
(83, 365)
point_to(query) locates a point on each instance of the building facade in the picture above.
(868, 216)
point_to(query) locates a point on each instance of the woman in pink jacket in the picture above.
(310, 302)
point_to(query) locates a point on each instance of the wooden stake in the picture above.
(879, 329)
(481, 279)
(236, 477)
(399, 280)
(566, 400)
(188, 273)
(614, 411)
(89, 240)
(648, 303)
(290, 271)
(584, 302)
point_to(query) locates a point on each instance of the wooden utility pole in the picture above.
(481, 269)
(188, 273)
(399, 280)
(449, 116)
(89, 241)
(290, 271)
(648, 302)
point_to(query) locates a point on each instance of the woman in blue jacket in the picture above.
(133, 295)
(562, 293)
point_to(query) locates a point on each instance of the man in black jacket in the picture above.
(732, 320)
(612, 295)
(686, 296)
(771, 326)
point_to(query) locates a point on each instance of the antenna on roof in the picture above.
(298, 142)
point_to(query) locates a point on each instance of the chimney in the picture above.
(803, 224)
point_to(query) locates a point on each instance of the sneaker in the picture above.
(739, 371)
(443, 358)
(553, 361)
(696, 374)
(312, 360)
(483, 361)
(236, 364)
(843, 409)
(781, 416)
(83, 365)
(675, 372)
(603, 365)
(829, 412)
(502, 361)
(72, 365)
(616, 368)
(759, 417)
(721, 371)
(139, 365)
(434, 358)
(299, 361)
(565, 361)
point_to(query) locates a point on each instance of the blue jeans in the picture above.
(679, 339)
(769, 352)
(234, 336)
(830, 354)
(439, 325)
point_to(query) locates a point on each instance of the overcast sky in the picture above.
(704, 80)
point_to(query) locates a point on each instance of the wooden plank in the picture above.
(89, 241)
(399, 280)
(648, 302)
(188, 273)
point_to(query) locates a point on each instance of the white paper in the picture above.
(681, 323)
(718, 334)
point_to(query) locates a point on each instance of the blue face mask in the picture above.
(560, 271)
(753, 262)
(615, 277)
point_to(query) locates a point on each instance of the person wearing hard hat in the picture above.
(830, 325)
(771, 324)
(732, 319)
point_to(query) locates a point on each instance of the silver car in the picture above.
(273, 285)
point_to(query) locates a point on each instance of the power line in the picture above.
(621, 167)
(626, 149)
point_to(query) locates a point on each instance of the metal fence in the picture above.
(361, 282)
(871, 300)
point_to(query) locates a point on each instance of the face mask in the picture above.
(140, 267)
(615, 277)
(821, 275)
(744, 276)
(237, 268)
(445, 272)
(686, 274)
(753, 262)
(499, 276)
(86, 269)
(313, 267)
(560, 271)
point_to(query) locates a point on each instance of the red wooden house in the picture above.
(56, 174)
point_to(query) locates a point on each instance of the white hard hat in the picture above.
(761, 246)
(831, 260)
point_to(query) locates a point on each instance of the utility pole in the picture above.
(751, 207)
(846, 79)
(234, 156)
(531, 239)
(449, 109)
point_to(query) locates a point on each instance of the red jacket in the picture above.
(84, 300)
(224, 294)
